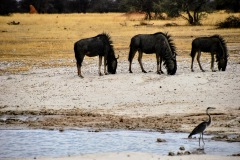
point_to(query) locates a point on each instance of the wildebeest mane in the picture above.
(111, 55)
(222, 41)
(172, 48)
(106, 37)
(170, 41)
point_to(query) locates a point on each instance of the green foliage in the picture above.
(8, 6)
(230, 22)
(229, 5)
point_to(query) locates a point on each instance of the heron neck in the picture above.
(209, 119)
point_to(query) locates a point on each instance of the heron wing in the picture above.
(199, 129)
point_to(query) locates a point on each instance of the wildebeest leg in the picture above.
(161, 72)
(130, 58)
(198, 59)
(158, 61)
(79, 65)
(105, 64)
(193, 53)
(212, 63)
(99, 66)
(79, 70)
(159, 64)
(140, 61)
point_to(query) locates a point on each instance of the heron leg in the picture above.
(202, 139)
(199, 140)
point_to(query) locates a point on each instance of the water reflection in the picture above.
(36, 143)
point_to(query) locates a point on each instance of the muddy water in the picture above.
(40, 143)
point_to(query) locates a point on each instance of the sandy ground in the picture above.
(140, 156)
(56, 98)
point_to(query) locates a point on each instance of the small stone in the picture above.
(171, 153)
(61, 130)
(179, 153)
(182, 148)
(238, 154)
(187, 153)
(161, 140)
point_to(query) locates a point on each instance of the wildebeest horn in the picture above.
(117, 57)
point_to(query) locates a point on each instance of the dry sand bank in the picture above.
(57, 98)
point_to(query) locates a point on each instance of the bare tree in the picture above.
(196, 8)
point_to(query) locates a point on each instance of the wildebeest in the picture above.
(100, 45)
(215, 45)
(158, 43)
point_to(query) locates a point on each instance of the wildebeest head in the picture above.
(112, 62)
(112, 66)
(171, 66)
(222, 64)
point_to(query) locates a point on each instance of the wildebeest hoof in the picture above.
(192, 70)
(144, 71)
(203, 70)
(80, 76)
(160, 72)
(130, 72)
(106, 73)
(214, 70)
(100, 74)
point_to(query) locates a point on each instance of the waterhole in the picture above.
(45, 143)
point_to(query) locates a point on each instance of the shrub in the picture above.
(230, 22)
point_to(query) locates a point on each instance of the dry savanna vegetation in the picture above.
(30, 41)
(46, 40)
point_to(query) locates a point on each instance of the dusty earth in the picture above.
(56, 98)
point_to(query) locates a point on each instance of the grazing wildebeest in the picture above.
(158, 43)
(100, 45)
(215, 45)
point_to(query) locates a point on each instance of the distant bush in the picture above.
(230, 22)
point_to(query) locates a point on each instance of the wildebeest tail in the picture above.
(192, 53)
(76, 52)
(131, 54)
(193, 50)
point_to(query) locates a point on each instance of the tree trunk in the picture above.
(148, 16)
(190, 18)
